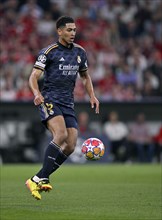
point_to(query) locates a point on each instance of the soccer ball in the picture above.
(93, 149)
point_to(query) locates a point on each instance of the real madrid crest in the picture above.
(78, 59)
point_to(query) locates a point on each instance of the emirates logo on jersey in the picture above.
(69, 69)
(78, 59)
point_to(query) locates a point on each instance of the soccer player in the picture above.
(61, 62)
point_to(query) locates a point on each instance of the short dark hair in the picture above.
(62, 21)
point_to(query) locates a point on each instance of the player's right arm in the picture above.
(33, 83)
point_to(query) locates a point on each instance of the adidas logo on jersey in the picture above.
(62, 59)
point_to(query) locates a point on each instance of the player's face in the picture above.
(67, 34)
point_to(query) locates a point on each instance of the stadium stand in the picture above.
(122, 39)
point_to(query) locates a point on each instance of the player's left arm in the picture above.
(87, 82)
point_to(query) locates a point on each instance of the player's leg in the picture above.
(58, 129)
(56, 155)
(50, 165)
(60, 154)
(40, 181)
(62, 145)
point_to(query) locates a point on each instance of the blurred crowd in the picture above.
(127, 142)
(122, 39)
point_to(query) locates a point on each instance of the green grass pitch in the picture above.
(84, 192)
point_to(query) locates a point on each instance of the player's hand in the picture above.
(94, 102)
(39, 99)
